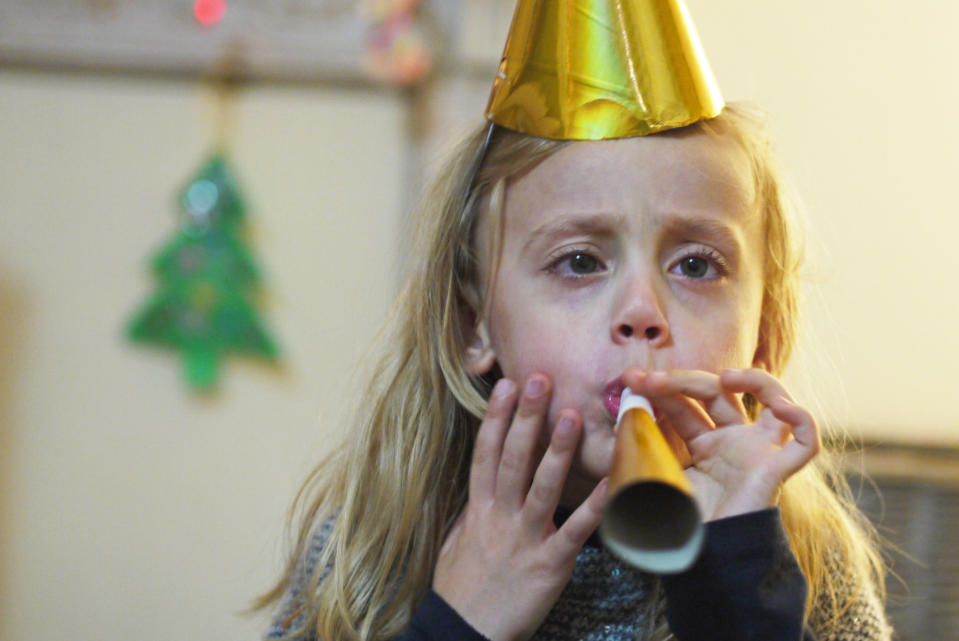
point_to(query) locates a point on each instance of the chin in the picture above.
(595, 460)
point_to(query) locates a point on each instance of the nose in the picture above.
(639, 315)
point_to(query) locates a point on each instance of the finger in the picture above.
(489, 440)
(571, 537)
(805, 442)
(517, 460)
(551, 474)
(722, 407)
(766, 389)
(686, 416)
(761, 384)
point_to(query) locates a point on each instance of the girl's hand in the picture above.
(737, 465)
(504, 563)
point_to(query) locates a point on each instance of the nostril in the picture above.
(652, 332)
(626, 330)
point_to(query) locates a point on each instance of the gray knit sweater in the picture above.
(605, 600)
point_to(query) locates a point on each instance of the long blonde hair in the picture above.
(390, 491)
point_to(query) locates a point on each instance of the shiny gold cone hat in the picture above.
(595, 69)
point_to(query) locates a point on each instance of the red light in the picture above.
(209, 12)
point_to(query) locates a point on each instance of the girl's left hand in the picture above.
(736, 465)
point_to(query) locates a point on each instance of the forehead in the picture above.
(664, 175)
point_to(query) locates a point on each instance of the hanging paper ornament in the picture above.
(208, 280)
(397, 51)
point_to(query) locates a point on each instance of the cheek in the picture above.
(561, 350)
(545, 348)
(713, 343)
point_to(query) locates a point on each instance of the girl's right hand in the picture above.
(504, 563)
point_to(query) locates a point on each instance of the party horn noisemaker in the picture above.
(651, 520)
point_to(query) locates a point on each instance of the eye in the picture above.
(700, 263)
(576, 264)
(694, 266)
(583, 264)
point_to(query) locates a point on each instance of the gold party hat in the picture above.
(595, 69)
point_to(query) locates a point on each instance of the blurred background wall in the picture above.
(131, 507)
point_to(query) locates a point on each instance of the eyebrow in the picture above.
(687, 226)
(564, 224)
(697, 227)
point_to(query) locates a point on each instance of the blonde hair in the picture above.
(390, 491)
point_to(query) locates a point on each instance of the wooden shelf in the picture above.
(292, 40)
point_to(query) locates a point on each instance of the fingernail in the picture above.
(534, 387)
(503, 388)
(603, 488)
(565, 425)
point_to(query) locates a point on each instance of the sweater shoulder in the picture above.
(295, 611)
(860, 614)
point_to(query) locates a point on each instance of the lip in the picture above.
(612, 395)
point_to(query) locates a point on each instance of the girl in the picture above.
(550, 275)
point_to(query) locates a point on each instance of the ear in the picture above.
(480, 356)
(761, 357)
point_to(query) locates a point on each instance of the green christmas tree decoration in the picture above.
(208, 282)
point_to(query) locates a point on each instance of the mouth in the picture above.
(612, 395)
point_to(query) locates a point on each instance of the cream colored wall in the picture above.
(130, 508)
(862, 97)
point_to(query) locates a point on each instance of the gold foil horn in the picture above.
(596, 69)
(651, 519)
